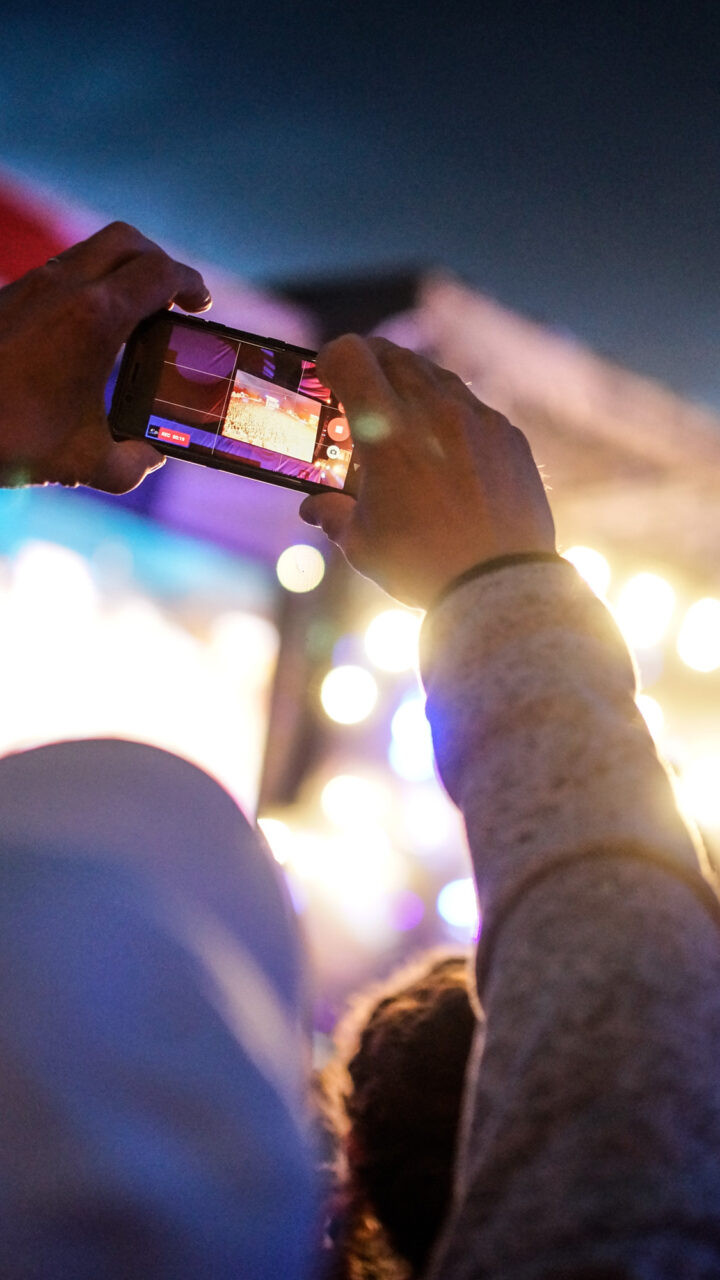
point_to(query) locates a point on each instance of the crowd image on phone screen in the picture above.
(262, 405)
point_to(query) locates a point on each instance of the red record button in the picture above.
(173, 437)
(338, 429)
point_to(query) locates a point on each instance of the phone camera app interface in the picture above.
(261, 405)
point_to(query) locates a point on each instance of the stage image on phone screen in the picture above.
(266, 407)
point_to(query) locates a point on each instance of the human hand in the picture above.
(61, 327)
(445, 482)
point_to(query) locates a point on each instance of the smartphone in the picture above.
(232, 400)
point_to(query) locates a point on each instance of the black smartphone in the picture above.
(232, 400)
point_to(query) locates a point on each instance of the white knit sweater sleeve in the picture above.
(591, 1143)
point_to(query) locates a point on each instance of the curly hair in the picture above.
(392, 1096)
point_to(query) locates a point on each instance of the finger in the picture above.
(125, 466)
(102, 252)
(414, 376)
(188, 301)
(350, 368)
(118, 245)
(401, 362)
(149, 282)
(418, 385)
(331, 512)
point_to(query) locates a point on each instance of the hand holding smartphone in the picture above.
(447, 483)
(232, 400)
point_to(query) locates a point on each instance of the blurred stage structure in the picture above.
(630, 464)
(351, 805)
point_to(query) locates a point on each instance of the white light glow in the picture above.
(355, 874)
(52, 581)
(411, 750)
(348, 694)
(430, 821)
(699, 640)
(279, 838)
(699, 789)
(351, 800)
(243, 646)
(347, 862)
(592, 566)
(300, 568)
(391, 640)
(412, 762)
(457, 905)
(653, 715)
(88, 666)
(644, 608)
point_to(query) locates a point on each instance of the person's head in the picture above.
(151, 1026)
(393, 1096)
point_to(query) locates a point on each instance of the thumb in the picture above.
(124, 466)
(331, 512)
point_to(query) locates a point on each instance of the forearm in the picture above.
(593, 1114)
(531, 697)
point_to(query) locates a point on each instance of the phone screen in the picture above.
(263, 406)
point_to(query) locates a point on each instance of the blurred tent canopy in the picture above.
(629, 463)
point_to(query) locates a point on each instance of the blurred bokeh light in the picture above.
(652, 714)
(698, 641)
(300, 568)
(457, 906)
(350, 800)
(348, 694)
(644, 608)
(699, 789)
(592, 566)
(391, 640)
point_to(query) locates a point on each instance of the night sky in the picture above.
(563, 157)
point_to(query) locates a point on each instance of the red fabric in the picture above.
(30, 231)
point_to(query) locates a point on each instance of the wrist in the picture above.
(492, 565)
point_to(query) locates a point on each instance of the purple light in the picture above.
(298, 895)
(408, 910)
(324, 1016)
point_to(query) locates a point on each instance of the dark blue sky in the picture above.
(565, 158)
